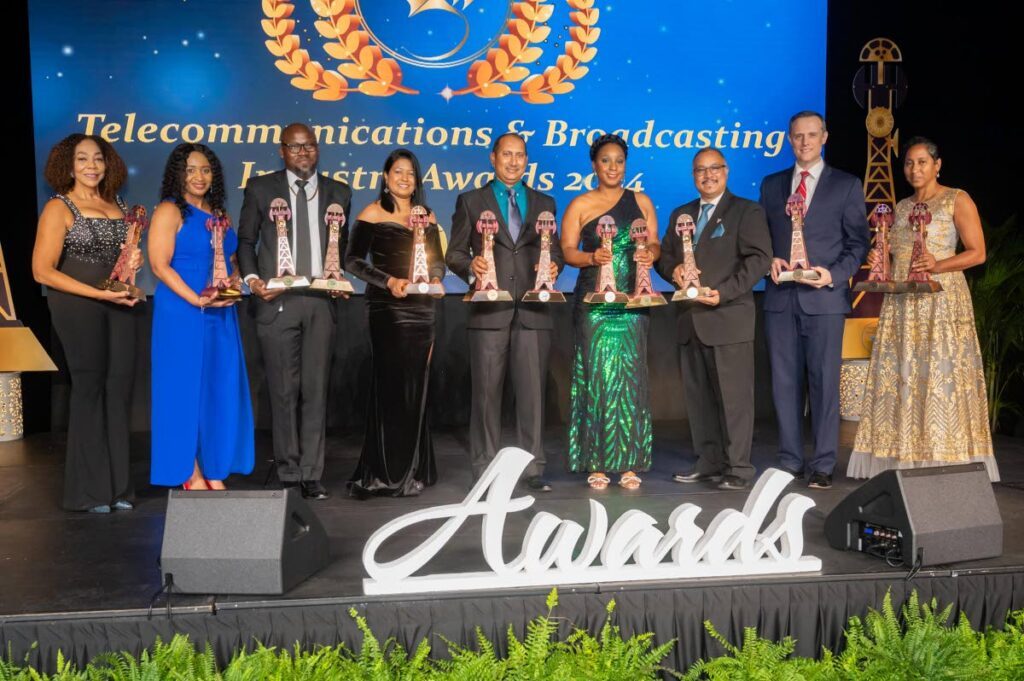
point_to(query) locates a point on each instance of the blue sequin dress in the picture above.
(610, 413)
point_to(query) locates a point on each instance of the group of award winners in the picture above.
(807, 233)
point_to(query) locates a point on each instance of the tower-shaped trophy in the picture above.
(606, 291)
(286, 278)
(486, 289)
(644, 294)
(419, 271)
(333, 280)
(691, 287)
(880, 277)
(798, 267)
(919, 219)
(122, 277)
(543, 290)
(221, 286)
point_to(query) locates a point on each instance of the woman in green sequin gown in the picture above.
(610, 419)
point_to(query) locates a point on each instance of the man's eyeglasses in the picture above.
(296, 148)
(709, 170)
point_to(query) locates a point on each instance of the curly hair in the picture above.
(61, 164)
(173, 185)
(610, 138)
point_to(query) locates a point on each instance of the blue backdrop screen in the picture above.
(441, 77)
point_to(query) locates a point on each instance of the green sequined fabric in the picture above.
(610, 414)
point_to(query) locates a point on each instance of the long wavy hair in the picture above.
(173, 187)
(61, 163)
(419, 196)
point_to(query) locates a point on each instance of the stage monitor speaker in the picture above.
(920, 516)
(240, 542)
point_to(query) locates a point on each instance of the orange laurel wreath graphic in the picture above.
(505, 63)
(361, 61)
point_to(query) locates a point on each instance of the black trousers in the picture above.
(99, 346)
(297, 347)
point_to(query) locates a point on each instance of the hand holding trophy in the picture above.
(286, 278)
(690, 287)
(333, 281)
(419, 271)
(486, 289)
(919, 281)
(799, 269)
(543, 290)
(880, 277)
(122, 277)
(606, 292)
(222, 287)
(644, 294)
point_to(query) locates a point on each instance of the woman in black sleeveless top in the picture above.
(77, 243)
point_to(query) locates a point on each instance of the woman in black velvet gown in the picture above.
(398, 454)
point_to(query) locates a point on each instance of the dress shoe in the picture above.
(820, 481)
(797, 475)
(102, 508)
(536, 483)
(697, 477)
(731, 482)
(122, 505)
(312, 489)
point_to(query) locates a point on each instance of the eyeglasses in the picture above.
(709, 170)
(295, 148)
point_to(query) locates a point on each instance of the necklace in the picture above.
(295, 192)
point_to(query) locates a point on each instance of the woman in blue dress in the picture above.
(202, 427)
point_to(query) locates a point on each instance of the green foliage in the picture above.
(997, 293)
(918, 644)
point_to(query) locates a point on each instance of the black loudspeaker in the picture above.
(922, 516)
(240, 542)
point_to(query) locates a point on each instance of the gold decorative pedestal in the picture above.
(852, 377)
(11, 421)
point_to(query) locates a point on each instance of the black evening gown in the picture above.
(398, 454)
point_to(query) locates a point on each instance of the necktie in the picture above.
(802, 187)
(702, 220)
(303, 261)
(515, 218)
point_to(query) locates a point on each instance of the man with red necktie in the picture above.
(804, 319)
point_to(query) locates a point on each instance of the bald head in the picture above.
(710, 173)
(299, 149)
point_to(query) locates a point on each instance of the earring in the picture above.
(386, 190)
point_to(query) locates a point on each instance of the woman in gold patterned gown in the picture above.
(924, 400)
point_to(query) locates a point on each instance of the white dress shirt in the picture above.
(812, 180)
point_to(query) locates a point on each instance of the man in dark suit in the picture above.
(804, 319)
(296, 329)
(513, 336)
(732, 250)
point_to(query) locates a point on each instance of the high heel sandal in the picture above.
(630, 480)
(598, 481)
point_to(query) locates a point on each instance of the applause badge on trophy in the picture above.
(122, 277)
(919, 219)
(643, 294)
(419, 272)
(222, 286)
(543, 290)
(606, 291)
(798, 267)
(486, 289)
(333, 280)
(880, 277)
(691, 287)
(286, 278)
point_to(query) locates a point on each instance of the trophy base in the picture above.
(544, 296)
(490, 296)
(229, 293)
(599, 297)
(646, 300)
(684, 295)
(898, 286)
(115, 285)
(799, 275)
(291, 281)
(332, 285)
(424, 288)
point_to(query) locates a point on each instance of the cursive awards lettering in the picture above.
(633, 548)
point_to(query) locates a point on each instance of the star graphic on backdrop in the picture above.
(447, 93)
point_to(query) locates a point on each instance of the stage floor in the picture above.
(54, 563)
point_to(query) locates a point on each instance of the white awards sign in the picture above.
(632, 549)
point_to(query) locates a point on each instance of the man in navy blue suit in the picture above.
(804, 319)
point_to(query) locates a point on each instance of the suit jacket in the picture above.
(514, 262)
(257, 233)
(730, 263)
(835, 236)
